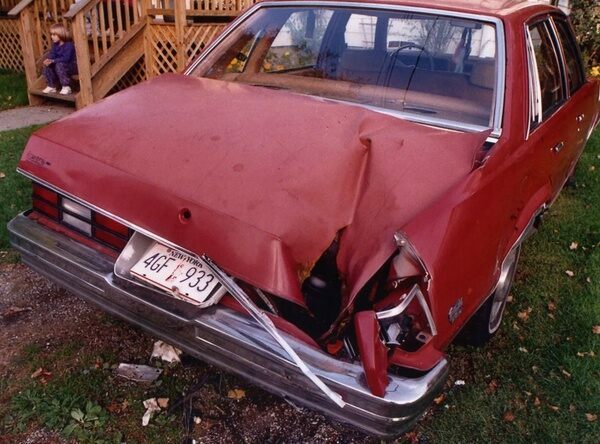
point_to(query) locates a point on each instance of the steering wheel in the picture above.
(406, 46)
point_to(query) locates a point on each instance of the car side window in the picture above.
(545, 74)
(574, 66)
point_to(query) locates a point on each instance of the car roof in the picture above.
(498, 8)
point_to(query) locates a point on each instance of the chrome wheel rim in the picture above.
(507, 274)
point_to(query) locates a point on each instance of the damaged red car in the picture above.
(326, 199)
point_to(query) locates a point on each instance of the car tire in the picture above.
(486, 321)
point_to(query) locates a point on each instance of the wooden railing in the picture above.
(115, 38)
(7, 5)
(101, 29)
(195, 8)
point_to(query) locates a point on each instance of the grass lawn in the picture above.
(537, 381)
(15, 192)
(13, 89)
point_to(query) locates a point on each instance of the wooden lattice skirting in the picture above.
(161, 40)
(135, 75)
(11, 55)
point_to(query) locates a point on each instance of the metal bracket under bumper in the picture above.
(228, 339)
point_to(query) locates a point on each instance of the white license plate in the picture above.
(185, 277)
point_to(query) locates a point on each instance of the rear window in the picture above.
(429, 66)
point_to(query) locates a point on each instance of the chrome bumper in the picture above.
(227, 339)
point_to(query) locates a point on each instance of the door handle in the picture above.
(580, 117)
(558, 147)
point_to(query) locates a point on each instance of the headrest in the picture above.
(483, 74)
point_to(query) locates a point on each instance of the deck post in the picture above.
(82, 50)
(180, 25)
(29, 57)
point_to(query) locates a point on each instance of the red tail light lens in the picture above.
(110, 231)
(80, 217)
(45, 201)
(111, 224)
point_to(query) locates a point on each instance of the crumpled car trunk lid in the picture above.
(270, 177)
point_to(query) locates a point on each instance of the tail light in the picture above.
(80, 217)
(45, 201)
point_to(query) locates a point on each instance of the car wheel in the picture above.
(486, 321)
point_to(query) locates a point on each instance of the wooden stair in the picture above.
(67, 98)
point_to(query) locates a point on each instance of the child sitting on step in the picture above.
(61, 63)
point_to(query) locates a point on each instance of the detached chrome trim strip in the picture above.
(498, 110)
(415, 291)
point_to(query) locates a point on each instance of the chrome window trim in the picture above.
(534, 84)
(498, 109)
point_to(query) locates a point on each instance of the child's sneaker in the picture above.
(49, 90)
(65, 90)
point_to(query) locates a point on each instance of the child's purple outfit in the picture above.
(64, 66)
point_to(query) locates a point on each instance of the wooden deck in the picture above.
(118, 42)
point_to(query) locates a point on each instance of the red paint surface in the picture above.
(373, 352)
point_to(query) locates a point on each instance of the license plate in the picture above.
(185, 277)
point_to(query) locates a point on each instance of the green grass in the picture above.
(13, 90)
(15, 191)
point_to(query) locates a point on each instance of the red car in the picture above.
(327, 198)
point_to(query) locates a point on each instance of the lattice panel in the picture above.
(197, 37)
(135, 75)
(11, 56)
(161, 39)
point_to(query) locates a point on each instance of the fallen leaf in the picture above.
(537, 402)
(114, 407)
(197, 420)
(459, 382)
(524, 315)
(573, 246)
(509, 298)
(566, 374)
(236, 394)
(439, 399)
(596, 329)
(2, 175)
(591, 417)
(508, 416)
(523, 350)
(37, 373)
(12, 311)
(588, 280)
(569, 273)
(551, 306)
(163, 402)
(572, 408)
(534, 369)
(554, 408)
(491, 387)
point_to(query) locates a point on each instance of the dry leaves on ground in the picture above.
(236, 394)
(596, 329)
(508, 416)
(591, 417)
(569, 273)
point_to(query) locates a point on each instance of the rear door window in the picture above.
(546, 78)
(573, 64)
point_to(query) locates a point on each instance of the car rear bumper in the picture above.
(226, 338)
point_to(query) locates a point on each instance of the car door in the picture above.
(580, 107)
(550, 134)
